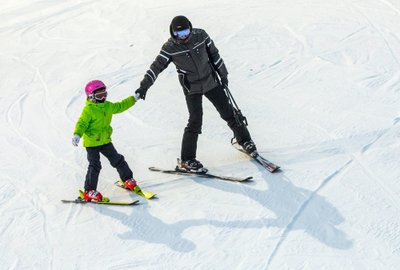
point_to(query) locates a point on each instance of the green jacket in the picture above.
(94, 124)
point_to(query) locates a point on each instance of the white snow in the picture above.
(318, 80)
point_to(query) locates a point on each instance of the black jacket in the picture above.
(196, 61)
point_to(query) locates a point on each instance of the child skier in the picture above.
(94, 126)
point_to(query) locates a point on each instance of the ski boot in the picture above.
(250, 148)
(192, 165)
(93, 195)
(132, 185)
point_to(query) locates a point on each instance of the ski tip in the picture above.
(248, 179)
(154, 169)
(148, 195)
(276, 170)
(119, 203)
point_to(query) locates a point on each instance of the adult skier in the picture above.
(201, 71)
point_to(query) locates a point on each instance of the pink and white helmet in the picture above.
(92, 87)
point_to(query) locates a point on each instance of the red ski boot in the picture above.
(92, 195)
(131, 184)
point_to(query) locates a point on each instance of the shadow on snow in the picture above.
(295, 209)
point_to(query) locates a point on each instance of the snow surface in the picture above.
(318, 80)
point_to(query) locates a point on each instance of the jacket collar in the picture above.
(91, 103)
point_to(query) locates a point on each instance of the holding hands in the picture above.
(140, 93)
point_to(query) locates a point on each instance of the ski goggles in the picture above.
(182, 34)
(100, 94)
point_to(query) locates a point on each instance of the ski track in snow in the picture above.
(355, 159)
(33, 206)
(302, 207)
(17, 108)
(377, 28)
(358, 159)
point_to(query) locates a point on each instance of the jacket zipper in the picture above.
(197, 69)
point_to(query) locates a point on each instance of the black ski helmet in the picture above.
(179, 23)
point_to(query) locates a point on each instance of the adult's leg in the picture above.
(92, 175)
(117, 161)
(193, 128)
(220, 100)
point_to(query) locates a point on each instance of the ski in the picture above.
(105, 201)
(205, 175)
(271, 167)
(145, 194)
(81, 201)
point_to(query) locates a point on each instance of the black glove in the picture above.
(141, 92)
(224, 81)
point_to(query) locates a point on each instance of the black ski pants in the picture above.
(219, 99)
(117, 161)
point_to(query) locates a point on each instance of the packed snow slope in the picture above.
(318, 80)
